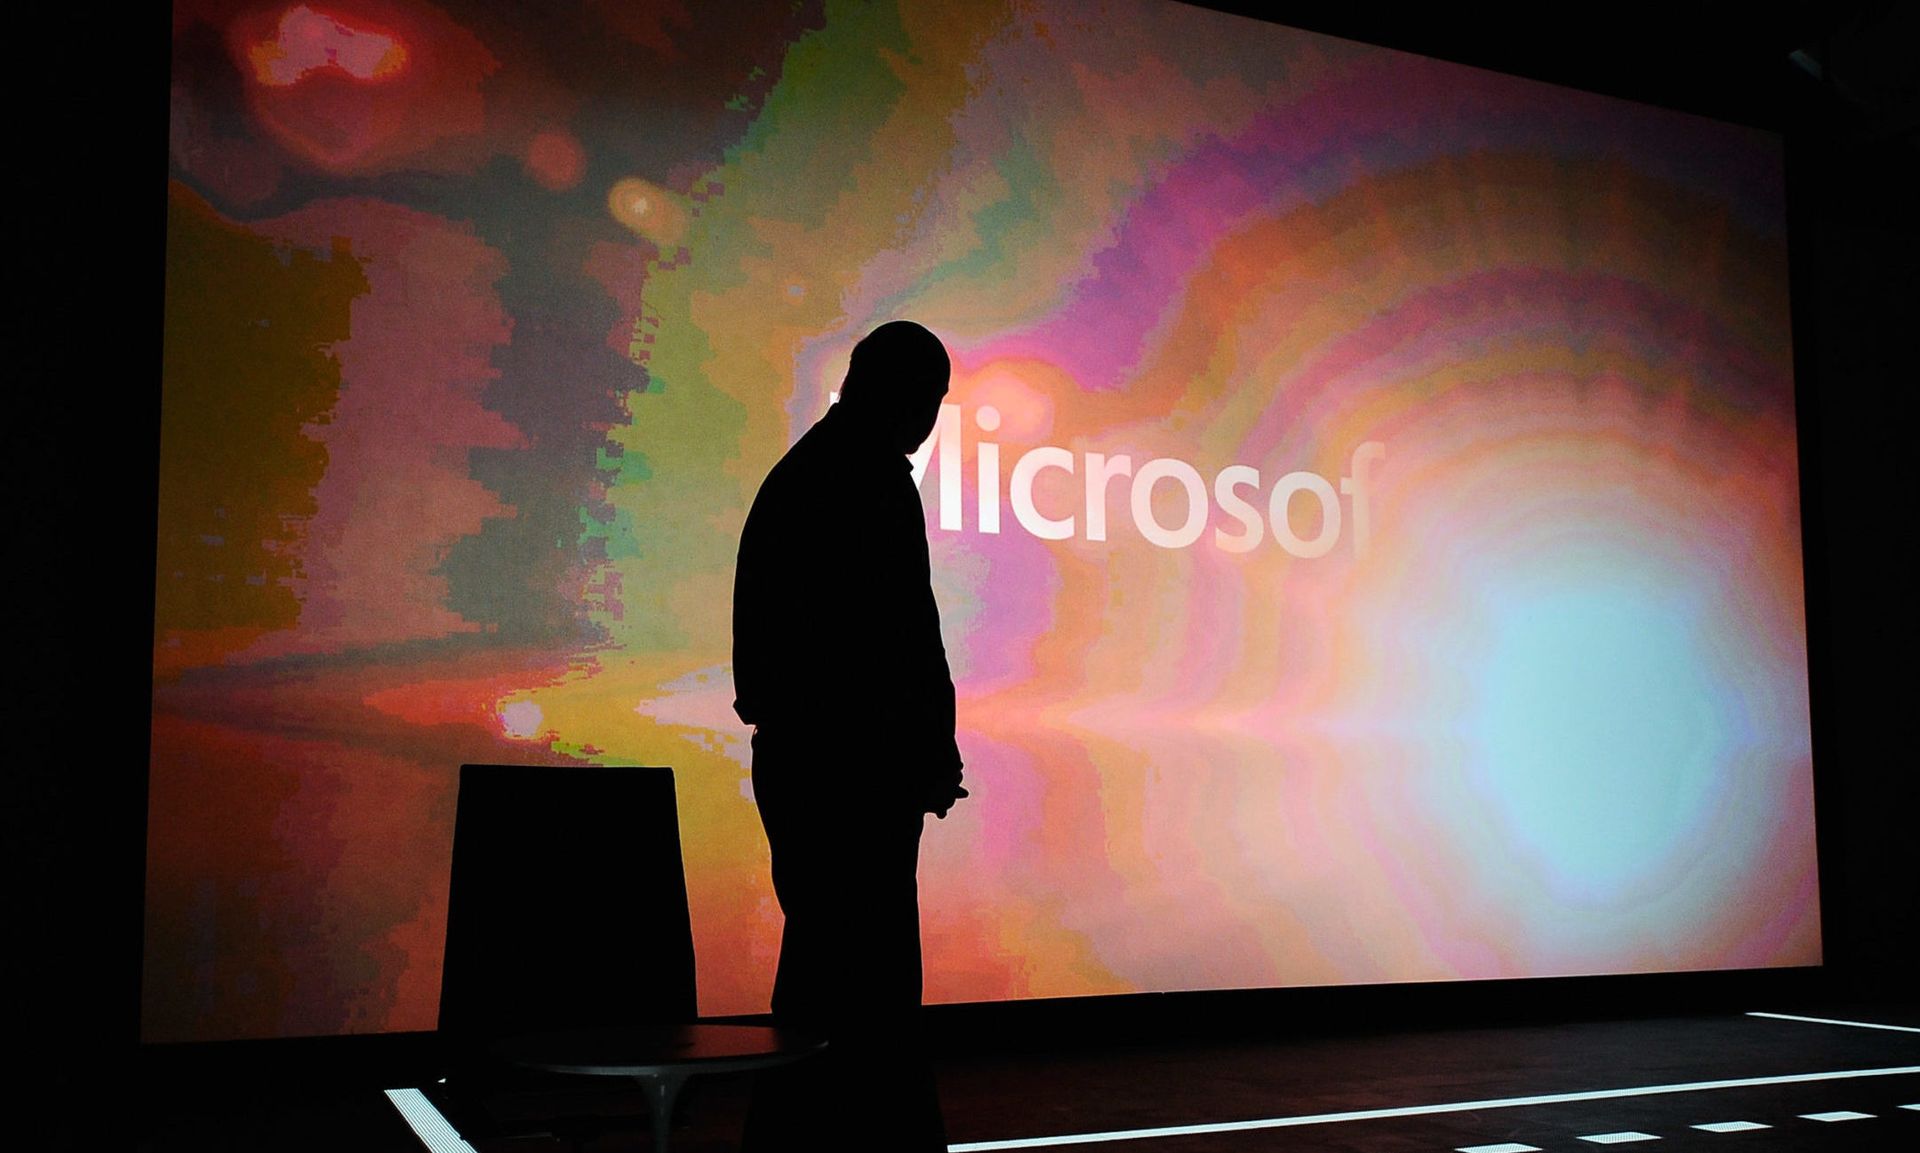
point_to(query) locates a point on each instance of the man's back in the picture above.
(834, 618)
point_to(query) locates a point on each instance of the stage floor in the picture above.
(1810, 1079)
(1546, 1087)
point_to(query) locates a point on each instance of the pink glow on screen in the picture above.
(307, 41)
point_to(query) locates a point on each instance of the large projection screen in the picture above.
(1366, 518)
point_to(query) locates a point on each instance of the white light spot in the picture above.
(1627, 1137)
(521, 720)
(1837, 1115)
(1731, 1126)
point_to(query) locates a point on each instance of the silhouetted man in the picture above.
(837, 662)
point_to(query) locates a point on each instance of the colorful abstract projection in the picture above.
(1365, 522)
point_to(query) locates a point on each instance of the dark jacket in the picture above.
(835, 629)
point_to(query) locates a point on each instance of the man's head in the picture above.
(895, 382)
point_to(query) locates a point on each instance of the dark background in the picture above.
(83, 410)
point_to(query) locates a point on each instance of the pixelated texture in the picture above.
(483, 325)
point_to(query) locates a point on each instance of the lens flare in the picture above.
(649, 211)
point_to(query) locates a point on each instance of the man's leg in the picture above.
(784, 1113)
(845, 872)
(884, 1047)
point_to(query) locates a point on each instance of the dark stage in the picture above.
(1751, 1081)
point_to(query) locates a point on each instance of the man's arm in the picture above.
(924, 659)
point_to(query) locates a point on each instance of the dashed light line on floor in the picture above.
(1421, 1110)
(1631, 1136)
(1832, 1021)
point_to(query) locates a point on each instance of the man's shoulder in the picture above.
(825, 455)
(808, 463)
(800, 486)
(824, 477)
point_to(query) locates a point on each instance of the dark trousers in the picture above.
(845, 859)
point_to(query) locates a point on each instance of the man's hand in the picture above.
(944, 788)
(943, 794)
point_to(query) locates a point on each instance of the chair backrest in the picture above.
(568, 903)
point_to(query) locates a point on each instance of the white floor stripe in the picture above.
(1837, 1115)
(1423, 1110)
(1503, 1147)
(428, 1124)
(1732, 1126)
(1626, 1138)
(1831, 1021)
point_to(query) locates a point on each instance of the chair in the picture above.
(567, 909)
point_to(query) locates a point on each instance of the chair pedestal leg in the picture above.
(661, 1090)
